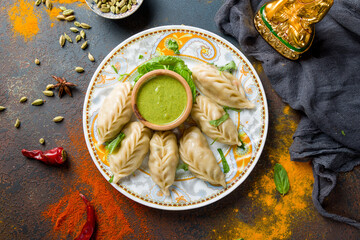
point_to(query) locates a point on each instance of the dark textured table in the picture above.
(41, 202)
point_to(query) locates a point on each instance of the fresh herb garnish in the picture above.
(281, 179)
(223, 161)
(121, 76)
(217, 122)
(242, 143)
(173, 45)
(116, 71)
(231, 108)
(230, 67)
(141, 56)
(213, 141)
(111, 179)
(342, 132)
(172, 63)
(183, 166)
(112, 145)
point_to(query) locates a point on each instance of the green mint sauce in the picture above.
(161, 100)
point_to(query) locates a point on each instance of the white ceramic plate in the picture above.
(196, 46)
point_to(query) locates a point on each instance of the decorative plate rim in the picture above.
(220, 194)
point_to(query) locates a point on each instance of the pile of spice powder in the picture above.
(24, 19)
(278, 214)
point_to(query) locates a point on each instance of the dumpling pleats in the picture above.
(195, 151)
(216, 85)
(114, 113)
(203, 111)
(132, 151)
(163, 159)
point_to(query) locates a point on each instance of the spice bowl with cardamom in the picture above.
(114, 9)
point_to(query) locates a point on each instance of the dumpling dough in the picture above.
(163, 159)
(217, 86)
(195, 151)
(114, 113)
(132, 151)
(205, 110)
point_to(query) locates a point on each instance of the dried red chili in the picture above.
(89, 226)
(55, 156)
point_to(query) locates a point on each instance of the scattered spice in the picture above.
(48, 4)
(91, 57)
(68, 12)
(60, 17)
(82, 34)
(77, 24)
(85, 26)
(23, 99)
(70, 18)
(48, 93)
(38, 2)
(37, 61)
(38, 102)
(63, 86)
(41, 141)
(58, 119)
(74, 29)
(79, 69)
(55, 156)
(62, 8)
(78, 38)
(89, 226)
(62, 40)
(17, 123)
(84, 45)
(50, 86)
(67, 38)
(2, 108)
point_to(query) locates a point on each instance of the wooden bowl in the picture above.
(148, 76)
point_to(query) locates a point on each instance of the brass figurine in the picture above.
(288, 25)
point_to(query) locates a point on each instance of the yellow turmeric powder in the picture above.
(278, 214)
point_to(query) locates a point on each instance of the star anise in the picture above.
(63, 86)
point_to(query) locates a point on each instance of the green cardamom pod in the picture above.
(62, 8)
(84, 45)
(38, 2)
(41, 141)
(113, 9)
(134, 2)
(99, 4)
(77, 24)
(67, 37)
(58, 119)
(38, 102)
(79, 69)
(123, 9)
(60, 17)
(23, 99)
(37, 61)
(74, 29)
(17, 123)
(105, 9)
(48, 4)
(117, 11)
(82, 34)
(48, 93)
(91, 57)
(70, 18)
(50, 86)
(85, 26)
(2, 108)
(122, 3)
(62, 40)
(78, 38)
(43, 1)
(68, 12)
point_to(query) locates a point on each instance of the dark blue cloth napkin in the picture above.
(324, 84)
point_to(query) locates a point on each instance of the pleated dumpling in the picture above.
(216, 85)
(203, 111)
(195, 151)
(132, 151)
(114, 113)
(163, 159)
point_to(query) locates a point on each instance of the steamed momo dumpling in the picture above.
(195, 151)
(132, 151)
(115, 112)
(216, 85)
(205, 110)
(163, 159)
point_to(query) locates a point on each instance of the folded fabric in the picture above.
(324, 84)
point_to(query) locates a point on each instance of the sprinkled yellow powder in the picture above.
(81, 2)
(278, 213)
(24, 20)
(53, 12)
